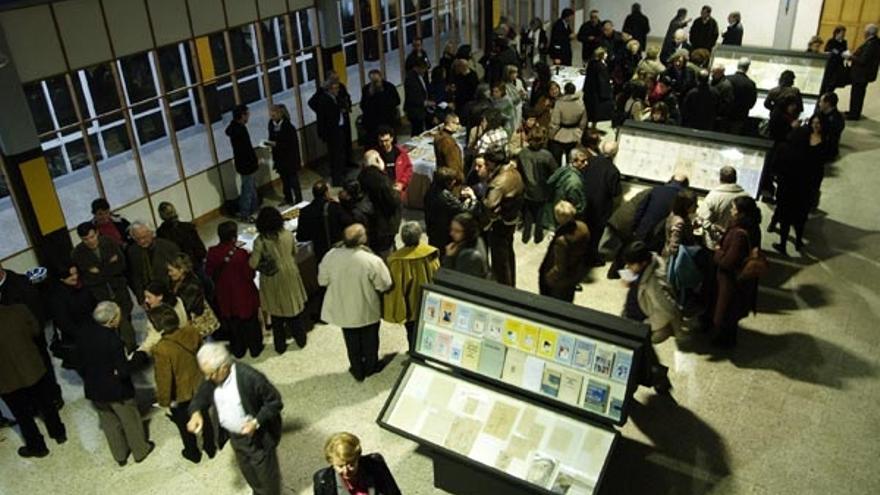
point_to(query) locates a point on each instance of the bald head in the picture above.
(355, 235)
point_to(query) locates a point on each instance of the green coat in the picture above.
(567, 184)
(411, 268)
(283, 293)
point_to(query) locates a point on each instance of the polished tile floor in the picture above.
(790, 411)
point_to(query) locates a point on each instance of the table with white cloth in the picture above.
(562, 74)
(421, 153)
(305, 253)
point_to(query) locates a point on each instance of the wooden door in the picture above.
(852, 14)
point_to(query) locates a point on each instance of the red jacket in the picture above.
(236, 293)
(403, 168)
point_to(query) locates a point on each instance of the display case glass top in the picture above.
(549, 451)
(656, 152)
(768, 64)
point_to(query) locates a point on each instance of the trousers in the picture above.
(362, 344)
(283, 327)
(290, 186)
(244, 335)
(248, 204)
(501, 253)
(36, 400)
(258, 463)
(123, 426)
(857, 98)
(180, 416)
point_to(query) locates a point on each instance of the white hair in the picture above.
(104, 312)
(411, 233)
(372, 158)
(871, 29)
(139, 224)
(213, 355)
(679, 33)
(744, 64)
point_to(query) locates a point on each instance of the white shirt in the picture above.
(228, 401)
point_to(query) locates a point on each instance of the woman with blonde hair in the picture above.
(352, 472)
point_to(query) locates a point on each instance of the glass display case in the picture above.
(768, 63)
(655, 152)
(511, 387)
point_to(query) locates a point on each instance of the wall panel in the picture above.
(83, 33)
(207, 16)
(204, 189)
(240, 12)
(271, 8)
(129, 26)
(169, 19)
(34, 61)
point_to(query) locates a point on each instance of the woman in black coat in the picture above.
(598, 90)
(467, 251)
(386, 214)
(835, 73)
(285, 153)
(355, 472)
(801, 169)
(442, 204)
(71, 306)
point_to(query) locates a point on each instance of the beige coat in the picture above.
(568, 111)
(714, 211)
(355, 278)
(283, 293)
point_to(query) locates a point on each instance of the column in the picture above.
(27, 172)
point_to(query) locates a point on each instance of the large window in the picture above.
(13, 235)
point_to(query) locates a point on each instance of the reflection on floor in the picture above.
(788, 411)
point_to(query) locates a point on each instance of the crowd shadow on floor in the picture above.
(795, 355)
(687, 455)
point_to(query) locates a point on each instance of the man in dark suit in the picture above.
(16, 288)
(416, 97)
(249, 409)
(654, 209)
(602, 189)
(25, 382)
(863, 70)
(330, 105)
(106, 374)
(745, 94)
(560, 38)
(638, 26)
(589, 34)
(416, 55)
(101, 265)
(183, 234)
(320, 221)
(379, 105)
(245, 160)
(833, 122)
(704, 32)
(148, 259)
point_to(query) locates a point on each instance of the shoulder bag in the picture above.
(267, 265)
(755, 265)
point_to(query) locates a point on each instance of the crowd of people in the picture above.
(532, 159)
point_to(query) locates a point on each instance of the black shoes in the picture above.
(60, 438)
(27, 452)
(194, 458)
(6, 422)
(149, 451)
(780, 248)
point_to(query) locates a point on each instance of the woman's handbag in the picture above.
(267, 265)
(207, 322)
(755, 265)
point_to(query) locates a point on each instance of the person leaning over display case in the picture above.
(351, 472)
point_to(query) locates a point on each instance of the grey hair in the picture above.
(679, 32)
(871, 29)
(105, 311)
(213, 355)
(411, 233)
(576, 153)
(744, 64)
(138, 224)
